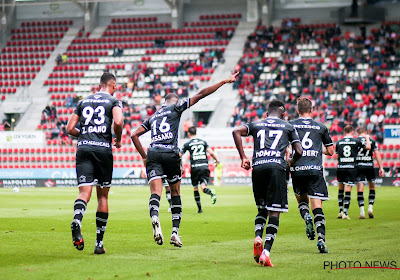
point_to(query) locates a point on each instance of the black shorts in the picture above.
(347, 176)
(366, 174)
(270, 188)
(94, 167)
(200, 176)
(313, 185)
(163, 164)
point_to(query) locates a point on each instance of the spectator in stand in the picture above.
(186, 125)
(59, 59)
(68, 101)
(362, 99)
(64, 58)
(75, 100)
(118, 51)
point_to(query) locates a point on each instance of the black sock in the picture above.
(346, 202)
(371, 197)
(168, 195)
(79, 210)
(319, 221)
(101, 224)
(270, 232)
(340, 200)
(207, 191)
(154, 204)
(176, 210)
(260, 222)
(360, 199)
(304, 209)
(197, 198)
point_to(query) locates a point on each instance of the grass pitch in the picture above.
(36, 239)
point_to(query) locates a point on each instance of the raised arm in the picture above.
(237, 137)
(71, 126)
(138, 145)
(209, 90)
(118, 125)
(379, 160)
(298, 151)
(213, 155)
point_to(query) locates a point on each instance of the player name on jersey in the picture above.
(364, 156)
(198, 152)
(347, 150)
(271, 138)
(95, 119)
(312, 136)
(164, 125)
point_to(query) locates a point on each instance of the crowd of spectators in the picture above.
(362, 100)
(144, 78)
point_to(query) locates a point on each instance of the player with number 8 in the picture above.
(347, 150)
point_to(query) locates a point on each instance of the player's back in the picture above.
(271, 138)
(95, 120)
(347, 149)
(164, 125)
(198, 152)
(364, 156)
(312, 135)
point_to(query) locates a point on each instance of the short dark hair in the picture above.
(348, 129)
(276, 106)
(106, 77)
(304, 105)
(192, 130)
(171, 96)
(361, 130)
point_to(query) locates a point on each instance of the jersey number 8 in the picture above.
(347, 151)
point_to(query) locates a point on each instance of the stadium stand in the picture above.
(145, 71)
(352, 80)
(151, 59)
(23, 56)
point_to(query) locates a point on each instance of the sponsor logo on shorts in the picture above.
(152, 173)
(82, 178)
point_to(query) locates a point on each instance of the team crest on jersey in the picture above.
(82, 178)
(270, 121)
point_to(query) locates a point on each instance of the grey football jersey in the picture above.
(271, 138)
(95, 119)
(164, 125)
(198, 152)
(364, 156)
(312, 136)
(347, 150)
